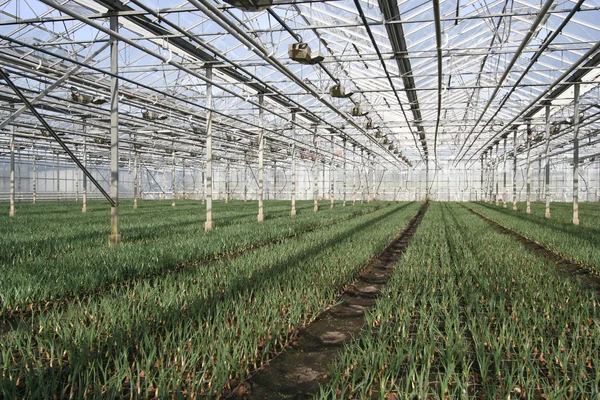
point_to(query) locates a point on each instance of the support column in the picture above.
(372, 178)
(528, 209)
(140, 182)
(209, 224)
(261, 153)
(76, 185)
(183, 178)
(353, 175)
(547, 167)
(11, 212)
(426, 178)
(496, 165)
(315, 176)
(293, 171)
(173, 188)
(274, 180)
(164, 183)
(84, 205)
(245, 176)
(366, 168)
(114, 237)
(482, 198)
(576, 154)
(58, 175)
(331, 177)
(515, 208)
(344, 173)
(227, 182)
(135, 179)
(504, 173)
(540, 185)
(34, 182)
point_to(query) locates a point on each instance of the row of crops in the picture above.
(580, 243)
(52, 250)
(190, 331)
(470, 312)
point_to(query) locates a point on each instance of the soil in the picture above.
(588, 277)
(299, 369)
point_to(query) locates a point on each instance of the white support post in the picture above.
(528, 209)
(576, 154)
(135, 179)
(183, 178)
(353, 175)
(547, 167)
(496, 165)
(84, 205)
(11, 211)
(504, 173)
(482, 198)
(209, 224)
(315, 177)
(515, 208)
(164, 183)
(344, 173)
(34, 182)
(293, 212)
(245, 177)
(76, 185)
(227, 182)
(261, 154)
(331, 177)
(173, 188)
(114, 237)
(58, 175)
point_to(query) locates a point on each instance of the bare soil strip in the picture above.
(299, 369)
(589, 277)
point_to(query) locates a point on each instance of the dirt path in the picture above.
(297, 372)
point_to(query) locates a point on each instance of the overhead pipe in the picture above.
(438, 39)
(513, 61)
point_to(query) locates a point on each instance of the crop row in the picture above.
(471, 313)
(193, 333)
(578, 243)
(85, 269)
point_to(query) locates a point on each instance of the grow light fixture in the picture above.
(153, 116)
(357, 111)
(250, 5)
(338, 91)
(300, 52)
(83, 98)
(370, 125)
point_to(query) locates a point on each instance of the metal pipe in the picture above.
(344, 173)
(293, 212)
(354, 178)
(173, 188)
(34, 183)
(331, 183)
(135, 179)
(315, 178)
(496, 165)
(114, 237)
(84, 205)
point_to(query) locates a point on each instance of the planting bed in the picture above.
(198, 332)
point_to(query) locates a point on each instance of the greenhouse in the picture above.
(300, 199)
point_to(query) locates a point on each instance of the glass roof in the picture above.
(430, 80)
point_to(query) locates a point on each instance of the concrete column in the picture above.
(11, 211)
(202, 184)
(84, 205)
(135, 179)
(173, 187)
(547, 167)
(576, 154)
(344, 173)
(293, 212)
(504, 173)
(540, 184)
(515, 208)
(528, 209)
(114, 237)
(209, 224)
(331, 176)
(261, 153)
